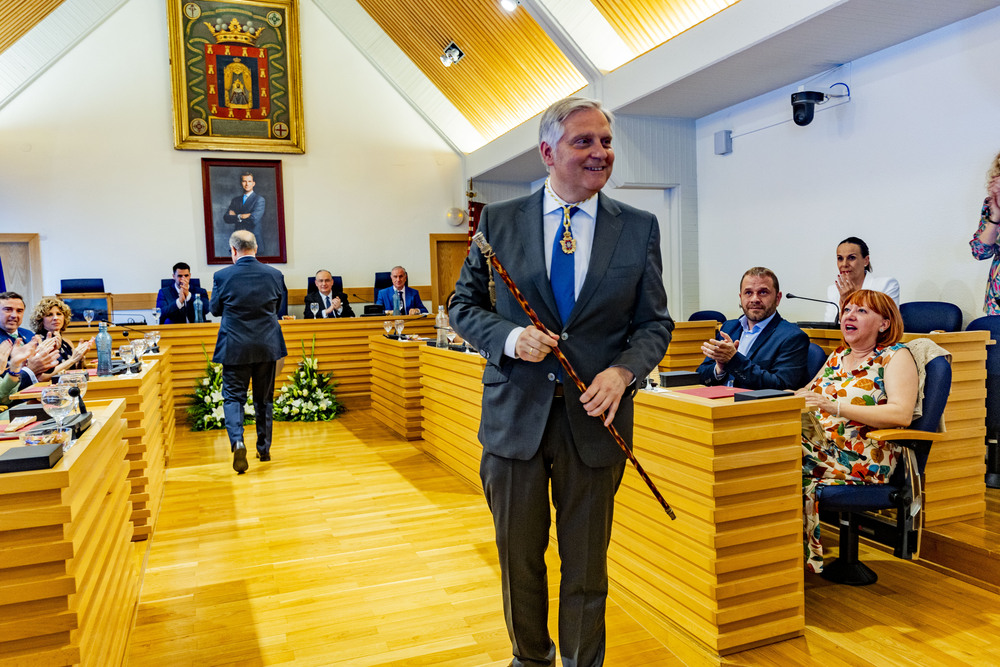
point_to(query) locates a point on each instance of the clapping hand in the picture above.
(45, 357)
(993, 197)
(720, 351)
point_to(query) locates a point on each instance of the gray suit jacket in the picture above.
(248, 295)
(619, 319)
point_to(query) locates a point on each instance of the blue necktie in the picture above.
(562, 274)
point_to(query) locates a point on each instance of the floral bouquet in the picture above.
(205, 411)
(308, 396)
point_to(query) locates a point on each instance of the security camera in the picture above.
(804, 106)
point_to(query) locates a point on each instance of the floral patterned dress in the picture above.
(982, 251)
(839, 451)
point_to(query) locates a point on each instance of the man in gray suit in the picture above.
(590, 267)
(248, 295)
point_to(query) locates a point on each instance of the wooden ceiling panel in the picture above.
(17, 18)
(645, 24)
(511, 70)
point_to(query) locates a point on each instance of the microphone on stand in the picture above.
(818, 325)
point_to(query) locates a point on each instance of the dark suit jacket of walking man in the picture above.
(248, 296)
(536, 431)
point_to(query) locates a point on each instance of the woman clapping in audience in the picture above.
(868, 383)
(984, 241)
(49, 320)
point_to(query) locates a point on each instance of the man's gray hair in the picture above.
(242, 241)
(552, 125)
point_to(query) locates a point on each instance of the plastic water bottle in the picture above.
(441, 325)
(199, 309)
(103, 341)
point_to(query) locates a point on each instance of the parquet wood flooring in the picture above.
(354, 548)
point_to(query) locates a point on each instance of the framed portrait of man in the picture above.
(236, 75)
(243, 194)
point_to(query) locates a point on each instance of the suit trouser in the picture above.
(236, 378)
(517, 493)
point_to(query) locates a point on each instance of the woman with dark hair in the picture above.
(49, 320)
(854, 272)
(984, 241)
(868, 383)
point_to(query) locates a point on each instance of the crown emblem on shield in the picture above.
(234, 33)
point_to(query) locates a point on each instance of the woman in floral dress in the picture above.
(868, 383)
(984, 241)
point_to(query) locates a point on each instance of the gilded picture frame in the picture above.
(236, 75)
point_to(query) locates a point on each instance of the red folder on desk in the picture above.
(712, 392)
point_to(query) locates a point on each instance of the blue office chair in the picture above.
(815, 359)
(383, 279)
(194, 283)
(338, 285)
(702, 315)
(991, 323)
(903, 491)
(927, 316)
(81, 285)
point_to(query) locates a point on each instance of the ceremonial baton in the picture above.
(491, 257)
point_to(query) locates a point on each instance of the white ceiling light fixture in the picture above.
(509, 5)
(452, 54)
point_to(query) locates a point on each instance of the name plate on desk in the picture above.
(679, 378)
(30, 457)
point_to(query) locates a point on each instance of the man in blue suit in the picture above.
(176, 302)
(759, 350)
(246, 210)
(591, 269)
(248, 295)
(407, 298)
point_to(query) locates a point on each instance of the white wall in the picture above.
(902, 166)
(87, 161)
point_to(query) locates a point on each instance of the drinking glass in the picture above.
(314, 307)
(387, 325)
(139, 349)
(150, 339)
(399, 326)
(57, 402)
(88, 315)
(127, 355)
(76, 379)
(157, 311)
(451, 335)
(156, 337)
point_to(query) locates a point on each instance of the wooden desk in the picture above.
(684, 351)
(395, 387)
(341, 349)
(68, 583)
(144, 434)
(727, 575)
(956, 469)
(451, 398)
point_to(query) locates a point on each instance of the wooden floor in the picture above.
(353, 548)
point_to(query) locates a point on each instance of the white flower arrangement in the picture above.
(308, 395)
(205, 412)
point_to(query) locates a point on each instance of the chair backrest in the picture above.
(382, 280)
(194, 283)
(927, 316)
(702, 315)
(937, 386)
(81, 285)
(338, 285)
(815, 359)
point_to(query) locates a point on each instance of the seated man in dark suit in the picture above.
(409, 298)
(331, 304)
(176, 303)
(759, 350)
